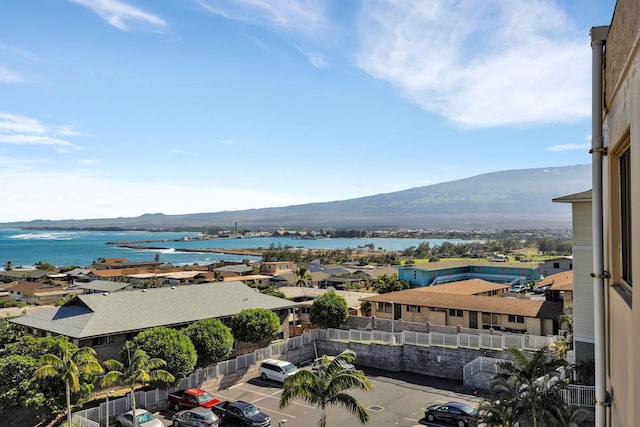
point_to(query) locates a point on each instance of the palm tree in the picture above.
(303, 275)
(139, 370)
(529, 389)
(69, 366)
(328, 386)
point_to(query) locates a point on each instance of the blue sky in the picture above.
(114, 108)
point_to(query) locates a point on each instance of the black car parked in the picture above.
(453, 413)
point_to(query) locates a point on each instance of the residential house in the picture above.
(101, 286)
(38, 292)
(559, 287)
(106, 321)
(277, 267)
(23, 274)
(305, 297)
(556, 265)
(115, 274)
(120, 263)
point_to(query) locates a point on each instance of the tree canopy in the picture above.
(212, 340)
(170, 345)
(68, 364)
(389, 283)
(255, 325)
(329, 386)
(329, 310)
(137, 369)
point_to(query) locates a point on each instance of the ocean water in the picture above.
(81, 248)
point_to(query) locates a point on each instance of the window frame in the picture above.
(626, 266)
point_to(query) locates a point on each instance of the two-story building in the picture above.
(434, 273)
(459, 308)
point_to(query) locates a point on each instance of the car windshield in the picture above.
(209, 417)
(288, 369)
(205, 397)
(466, 408)
(146, 417)
(250, 411)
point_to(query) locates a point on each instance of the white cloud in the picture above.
(567, 147)
(34, 140)
(301, 21)
(15, 123)
(480, 64)
(294, 16)
(121, 15)
(8, 76)
(63, 195)
(22, 130)
(17, 51)
(88, 162)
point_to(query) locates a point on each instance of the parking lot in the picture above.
(399, 399)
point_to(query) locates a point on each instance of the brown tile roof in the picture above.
(516, 306)
(30, 287)
(562, 281)
(116, 272)
(465, 287)
(440, 265)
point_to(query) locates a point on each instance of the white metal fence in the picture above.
(579, 395)
(573, 395)
(439, 339)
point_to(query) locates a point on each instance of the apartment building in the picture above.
(616, 219)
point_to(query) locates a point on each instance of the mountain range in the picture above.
(510, 199)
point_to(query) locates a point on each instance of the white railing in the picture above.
(481, 364)
(441, 339)
(579, 395)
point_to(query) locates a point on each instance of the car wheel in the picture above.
(176, 424)
(430, 418)
(263, 376)
(176, 407)
(118, 424)
(462, 424)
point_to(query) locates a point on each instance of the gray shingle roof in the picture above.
(91, 315)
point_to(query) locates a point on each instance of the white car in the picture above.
(144, 418)
(277, 370)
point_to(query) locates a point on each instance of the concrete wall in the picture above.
(440, 362)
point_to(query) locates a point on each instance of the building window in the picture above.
(103, 340)
(516, 319)
(383, 307)
(556, 265)
(491, 318)
(625, 215)
(455, 313)
(413, 308)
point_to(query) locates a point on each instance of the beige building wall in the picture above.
(621, 130)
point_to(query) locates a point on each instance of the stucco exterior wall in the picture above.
(621, 130)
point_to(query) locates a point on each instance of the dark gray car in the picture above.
(196, 417)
